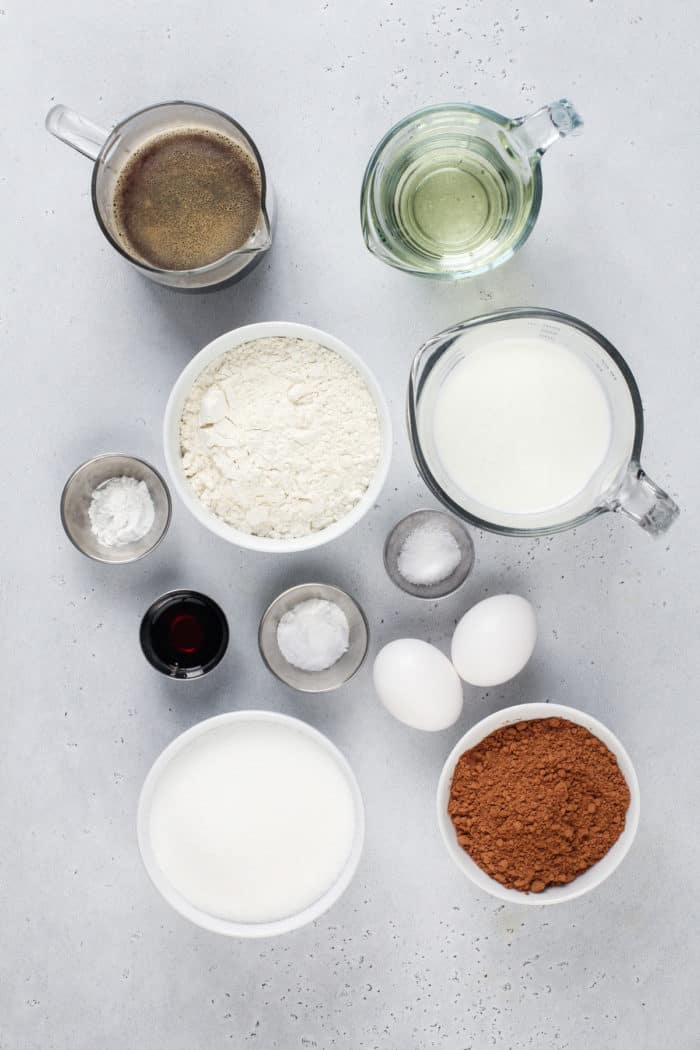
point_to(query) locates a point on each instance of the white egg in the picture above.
(418, 684)
(494, 640)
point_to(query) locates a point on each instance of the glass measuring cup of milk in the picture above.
(454, 190)
(529, 422)
(112, 150)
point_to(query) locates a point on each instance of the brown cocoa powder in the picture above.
(537, 803)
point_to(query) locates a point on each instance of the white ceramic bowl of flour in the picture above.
(172, 438)
(251, 824)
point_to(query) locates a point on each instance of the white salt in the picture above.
(429, 554)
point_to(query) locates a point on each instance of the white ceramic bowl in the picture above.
(171, 436)
(589, 879)
(227, 926)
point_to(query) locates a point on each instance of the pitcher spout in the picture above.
(261, 237)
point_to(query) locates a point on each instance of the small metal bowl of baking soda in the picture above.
(115, 508)
(428, 554)
(313, 637)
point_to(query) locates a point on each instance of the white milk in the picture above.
(252, 821)
(521, 425)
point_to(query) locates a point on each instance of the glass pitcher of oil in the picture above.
(454, 190)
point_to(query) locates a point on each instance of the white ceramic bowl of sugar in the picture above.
(171, 436)
(336, 797)
(588, 880)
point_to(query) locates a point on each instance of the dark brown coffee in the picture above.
(186, 198)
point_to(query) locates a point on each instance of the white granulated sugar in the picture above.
(280, 437)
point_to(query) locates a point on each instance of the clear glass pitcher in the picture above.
(454, 190)
(616, 482)
(111, 149)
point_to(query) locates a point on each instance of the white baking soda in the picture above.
(252, 821)
(313, 634)
(521, 425)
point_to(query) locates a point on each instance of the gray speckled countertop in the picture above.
(412, 956)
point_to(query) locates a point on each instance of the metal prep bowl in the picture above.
(75, 503)
(395, 541)
(313, 681)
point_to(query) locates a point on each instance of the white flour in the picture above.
(280, 437)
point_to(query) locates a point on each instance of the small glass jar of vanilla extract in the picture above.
(184, 634)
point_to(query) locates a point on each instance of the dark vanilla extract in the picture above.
(184, 634)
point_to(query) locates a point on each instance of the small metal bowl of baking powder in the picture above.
(314, 681)
(400, 533)
(77, 495)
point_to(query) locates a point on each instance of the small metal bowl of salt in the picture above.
(428, 554)
(313, 637)
(115, 508)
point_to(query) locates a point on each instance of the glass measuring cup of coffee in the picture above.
(179, 189)
(529, 422)
(454, 190)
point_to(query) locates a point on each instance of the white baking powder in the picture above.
(280, 437)
(313, 635)
(121, 511)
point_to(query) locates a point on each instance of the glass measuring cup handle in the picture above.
(76, 131)
(643, 501)
(540, 129)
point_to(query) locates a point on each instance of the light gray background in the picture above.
(412, 956)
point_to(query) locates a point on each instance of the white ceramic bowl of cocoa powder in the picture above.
(589, 879)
